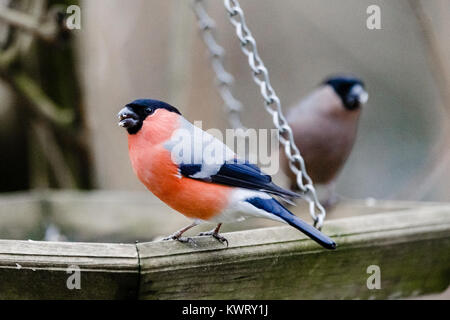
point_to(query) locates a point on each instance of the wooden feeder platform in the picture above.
(409, 241)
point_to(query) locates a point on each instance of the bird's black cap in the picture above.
(344, 87)
(134, 113)
(150, 103)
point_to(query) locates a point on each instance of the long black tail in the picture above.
(276, 208)
(309, 230)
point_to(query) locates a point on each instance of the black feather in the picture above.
(276, 208)
(242, 175)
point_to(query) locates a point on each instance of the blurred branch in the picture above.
(8, 56)
(58, 146)
(21, 42)
(54, 155)
(40, 101)
(21, 82)
(47, 30)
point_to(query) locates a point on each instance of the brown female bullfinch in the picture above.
(198, 175)
(324, 125)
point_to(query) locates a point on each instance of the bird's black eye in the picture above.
(149, 110)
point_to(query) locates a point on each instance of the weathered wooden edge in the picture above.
(95, 256)
(246, 248)
(119, 270)
(40, 270)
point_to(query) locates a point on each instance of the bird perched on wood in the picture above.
(198, 175)
(324, 125)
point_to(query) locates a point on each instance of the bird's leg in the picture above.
(177, 235)
(215, 234)
(332, 196)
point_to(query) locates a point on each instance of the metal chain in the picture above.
(273, 106)
(224, 80)
(272, 102)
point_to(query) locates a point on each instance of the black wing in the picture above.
(238, 174)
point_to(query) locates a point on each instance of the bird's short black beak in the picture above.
(357, 97)
(127, 118)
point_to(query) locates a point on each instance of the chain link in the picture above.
(272, 102)
(273, 106)
(224, 80)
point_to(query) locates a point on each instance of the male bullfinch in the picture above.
(324, 125)
(198, 175)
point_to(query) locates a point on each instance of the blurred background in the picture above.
(60, 90)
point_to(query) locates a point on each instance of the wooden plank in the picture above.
(411, 247)
(409, 241)
(39, 270)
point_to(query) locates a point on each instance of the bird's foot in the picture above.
(177, 235)
(179, 238)
(215, 235)
(330, 202)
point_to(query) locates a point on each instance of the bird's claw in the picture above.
(215, 235)
(180, 239)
